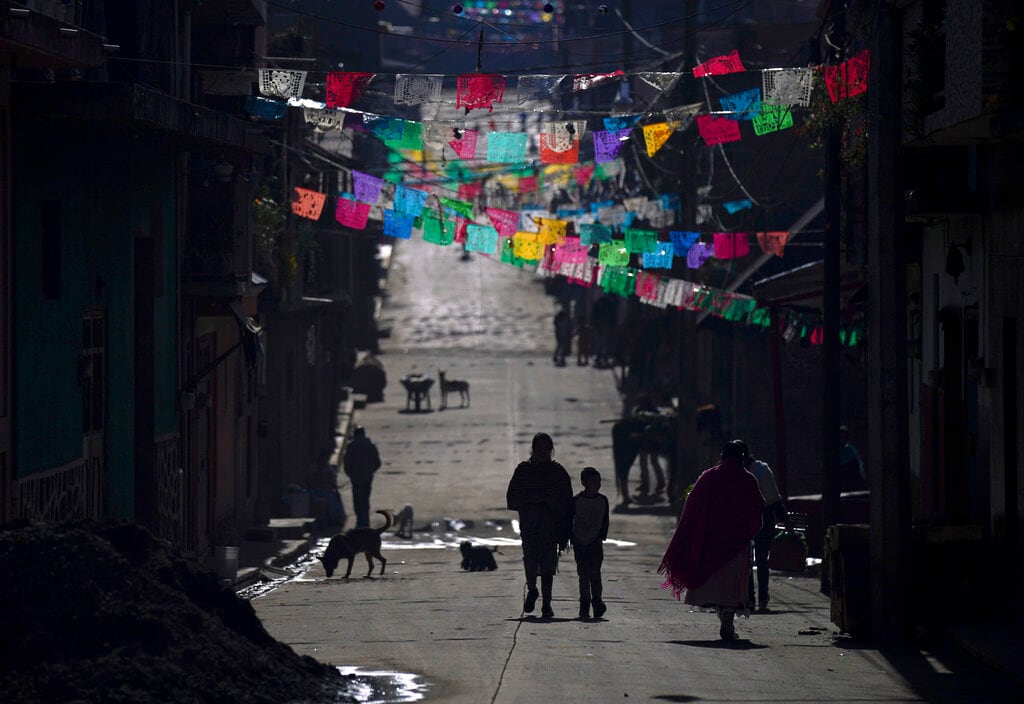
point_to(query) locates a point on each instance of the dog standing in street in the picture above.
(453, 386)
(476, 558)
(358, 540)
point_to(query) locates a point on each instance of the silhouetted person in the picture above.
(541, 491)
(774, 512)
(563, 337)
(708, 558)
(361, 462)
(589, 530)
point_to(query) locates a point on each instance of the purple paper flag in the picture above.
(699, 253)
(366, 187)
(608, 144)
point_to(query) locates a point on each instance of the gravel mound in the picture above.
(103, 612)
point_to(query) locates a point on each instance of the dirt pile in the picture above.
(103, 612)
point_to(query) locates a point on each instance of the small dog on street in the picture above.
(403, 522)
(358, 540)
(453, 386)
(477, 558)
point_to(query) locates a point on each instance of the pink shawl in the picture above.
(720, 517)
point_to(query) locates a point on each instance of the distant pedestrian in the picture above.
(851, 468)
(708, 558)
(541, 491)
(774, 512)
(563, 337)
(589, 529)
(584, 343)
(361, 462)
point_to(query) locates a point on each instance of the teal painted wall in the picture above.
(106, 186)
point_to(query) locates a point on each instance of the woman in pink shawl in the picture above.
(708, 559)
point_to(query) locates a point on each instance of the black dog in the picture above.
(476, 558)
(358, 540)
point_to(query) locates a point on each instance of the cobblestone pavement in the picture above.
(478, 305)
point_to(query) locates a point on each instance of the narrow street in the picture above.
(463, 634)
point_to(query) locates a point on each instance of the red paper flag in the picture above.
(849, 78)
(527, 184)
(460, 230)
(345, 87)
(479, 90)
(469, 191)
(730, 245)
(550, 156)
(720, 65)
(718, 130)
(584, 173)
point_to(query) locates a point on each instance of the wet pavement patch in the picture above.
(380, 686)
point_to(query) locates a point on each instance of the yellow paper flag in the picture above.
(657, 134)
(526, 245)
(552, 231)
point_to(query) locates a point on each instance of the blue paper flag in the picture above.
(481, 238)
(410, 200)
(398, 224)
(744, 105)
(682, 241)
(595, 234)
(621, 122)
(735, 206)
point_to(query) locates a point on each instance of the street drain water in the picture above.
(380, 686)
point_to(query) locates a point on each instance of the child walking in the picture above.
(589, 529)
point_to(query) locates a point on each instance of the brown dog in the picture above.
(351, 543)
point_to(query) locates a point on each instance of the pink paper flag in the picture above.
(849, 78)
(345, 87)
(718, 130)
(469, 191)
(479, 90)
(352, 213)
(571, 251)
(460, 230)
(506, 222)
(308, 204)
(584, 173)
(773, 242)
(720, 65)
(527, 184)
(730, 245)
(465, 146)
(647, 285)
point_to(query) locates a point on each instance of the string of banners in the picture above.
(557, 246)
(768, 108)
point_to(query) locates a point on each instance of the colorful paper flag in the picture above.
(595, 234)
(657, 134)
(351, 213)
(552, 231)
(699, 253)
(773, 118)
(475, 91)
(465, 144)
(613, 253)
(720, 65)
(366, 187)
(481, 238)
(506, 147)
(718, 130)
(436, 232)
(527, 246)
(398, 224)
(744, 105)
(345, 87)
(730, 245)
(549, 156)
(660, 258)
(505, 221)
(639, 241)
(849, 78)
(682, 242)
(308, 204)
(410, 200)
(773, 242)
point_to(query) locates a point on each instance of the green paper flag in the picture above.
(613, 253)
(434, 232)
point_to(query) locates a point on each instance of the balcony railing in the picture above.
(72, 491)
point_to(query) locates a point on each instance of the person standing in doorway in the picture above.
(361, 462)
(708, 558)
(541, 491)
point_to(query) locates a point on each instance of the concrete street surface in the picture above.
(463, 634)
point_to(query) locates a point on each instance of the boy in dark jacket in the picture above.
(589, 530)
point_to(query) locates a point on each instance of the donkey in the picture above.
(453, 386)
